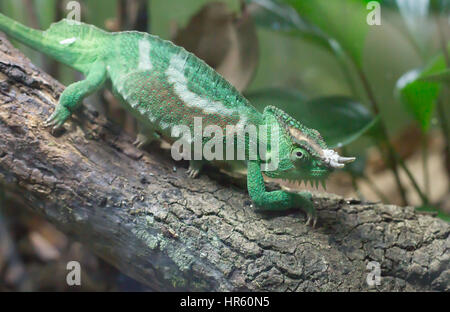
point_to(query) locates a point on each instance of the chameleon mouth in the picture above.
(313, 181)
(318, 172)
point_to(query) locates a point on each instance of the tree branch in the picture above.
(172, 233)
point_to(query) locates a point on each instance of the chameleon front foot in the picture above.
(141, 141)
(195, 166)
(73, 95)
(193, 173)
(145, 138)
(311, 220)
(58, 118)
(308, 207)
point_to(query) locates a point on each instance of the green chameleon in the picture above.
(163, 85)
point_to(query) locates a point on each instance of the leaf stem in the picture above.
(443, 42)
(356, 187)
(426, 173)
(446, 131)
(391, 160)
(439, 104)
(402, 164)
(376, 189)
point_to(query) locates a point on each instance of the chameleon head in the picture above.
(302, 153)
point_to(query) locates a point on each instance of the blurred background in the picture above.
(372, 76)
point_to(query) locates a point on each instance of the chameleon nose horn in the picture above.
(333, 159)
(346, 160)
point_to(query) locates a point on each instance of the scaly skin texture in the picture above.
(165, 86)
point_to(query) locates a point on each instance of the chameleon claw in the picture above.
(56, 128)
(139, 144)
(308, 220)
(50, 121)
(311, 220)
(193, 173)
(141, 140)
(195, 166)
(58, 118)
(54, 123)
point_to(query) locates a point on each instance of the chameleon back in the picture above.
(164, 85)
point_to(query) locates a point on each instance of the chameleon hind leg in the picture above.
(277, 200)
(74, 94)
(195, 166)
(145, 136)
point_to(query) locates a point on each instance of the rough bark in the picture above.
(172, 233)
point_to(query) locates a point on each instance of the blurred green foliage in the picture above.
(340, 119)
(420, 95)
(343, 24)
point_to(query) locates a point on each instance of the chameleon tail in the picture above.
(31, 37)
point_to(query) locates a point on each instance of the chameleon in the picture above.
(163, 85)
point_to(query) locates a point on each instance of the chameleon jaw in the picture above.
(314, 183)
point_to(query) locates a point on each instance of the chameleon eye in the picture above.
(298, 154)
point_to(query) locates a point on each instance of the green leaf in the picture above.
(419, 89)
(438, 76)
(345, 21)
(439, 213)
(288, 100)
(274, 15)
(339, 119)
(416, 22)
(419, 94)
(440, 6)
